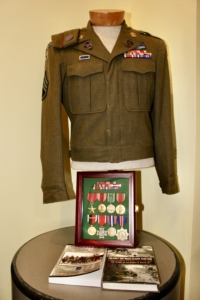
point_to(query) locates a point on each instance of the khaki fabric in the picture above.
(120, 108)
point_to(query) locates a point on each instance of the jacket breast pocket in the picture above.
(86, 87)
(138, 83)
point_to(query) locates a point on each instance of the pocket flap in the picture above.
(138, 65)
(84, 69)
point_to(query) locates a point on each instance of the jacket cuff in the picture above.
(171, 187)
(54, 193)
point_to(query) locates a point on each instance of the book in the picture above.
(132, 269)
(78, 265)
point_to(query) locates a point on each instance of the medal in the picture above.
(91, 220)
(112, 231)
(91, 198)
(111, 220)
(101, 208)
(111, 207)
(122, 233)
(120, 209)
(92, 230)
(101, 232)
(101, 197)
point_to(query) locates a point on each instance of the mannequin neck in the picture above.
(106, 17)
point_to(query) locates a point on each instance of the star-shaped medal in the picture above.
(91, 209)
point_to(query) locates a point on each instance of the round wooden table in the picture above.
(34, 261)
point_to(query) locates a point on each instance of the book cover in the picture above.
(131, 269)
(81, 266)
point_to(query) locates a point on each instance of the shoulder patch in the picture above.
(65, 39)
(45, 86)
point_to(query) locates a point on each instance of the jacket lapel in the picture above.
(90, 43)
(128, 39)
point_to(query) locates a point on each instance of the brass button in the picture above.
(133, 34)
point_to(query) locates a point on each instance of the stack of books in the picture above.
(132, 269)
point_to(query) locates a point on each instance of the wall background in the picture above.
(25, 30)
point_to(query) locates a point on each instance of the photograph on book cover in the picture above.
(105, 209)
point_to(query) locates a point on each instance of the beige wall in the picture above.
(25, 30)
(195, 249)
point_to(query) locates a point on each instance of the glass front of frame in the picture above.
(105, 214)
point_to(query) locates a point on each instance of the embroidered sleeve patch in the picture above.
(45, 86)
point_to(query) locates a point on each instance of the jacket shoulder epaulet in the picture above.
(147, 34)
(65, 39)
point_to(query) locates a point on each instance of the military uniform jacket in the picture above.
(120, 108)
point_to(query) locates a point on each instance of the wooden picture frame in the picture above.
(105, 209)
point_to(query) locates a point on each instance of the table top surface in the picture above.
(34, 261)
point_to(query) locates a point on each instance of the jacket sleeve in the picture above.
(163, 126)
(53, 180)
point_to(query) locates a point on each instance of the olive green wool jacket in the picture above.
(120, 108)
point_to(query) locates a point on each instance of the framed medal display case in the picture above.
(105, 209)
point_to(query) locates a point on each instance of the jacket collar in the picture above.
(128, 39)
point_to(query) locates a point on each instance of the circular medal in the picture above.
(102, 208)
(111, 231)
(110, 208)
(91, 230)
(120, 209)
(122, 234)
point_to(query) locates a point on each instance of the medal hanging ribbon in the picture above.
(101, 220)
(120, 197)
(101, 197)
(111, 198)
(111, 220)
(91, 219)
(121, 220)
(92, 197)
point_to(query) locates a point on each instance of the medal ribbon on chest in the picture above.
(138, 54)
